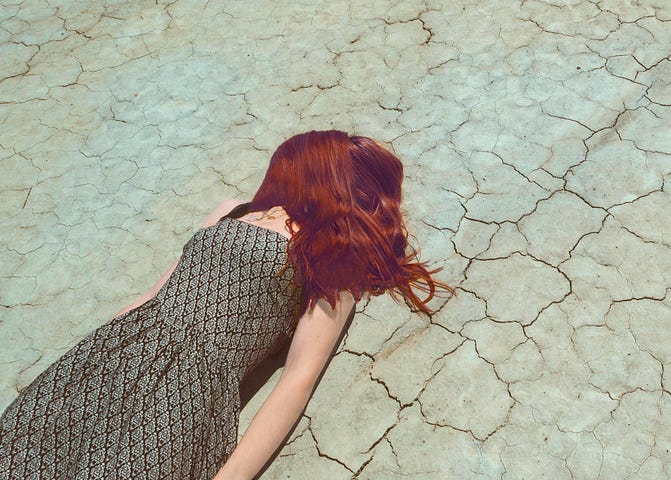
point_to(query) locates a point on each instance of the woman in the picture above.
(154, 393)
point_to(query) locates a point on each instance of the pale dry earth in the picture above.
(535, 138)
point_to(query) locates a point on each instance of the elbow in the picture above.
(298, 386)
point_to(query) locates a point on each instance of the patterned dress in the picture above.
(153, 394)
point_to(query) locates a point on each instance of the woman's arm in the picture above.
(311, 347)
(149, 293)
(222, 209)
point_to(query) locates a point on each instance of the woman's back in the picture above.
(154, 393)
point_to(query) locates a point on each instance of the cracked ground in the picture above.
(537, 149)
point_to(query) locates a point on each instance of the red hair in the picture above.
(345, 193)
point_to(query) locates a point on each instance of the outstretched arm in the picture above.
(311, 347)
(222, 209)
(149, 293)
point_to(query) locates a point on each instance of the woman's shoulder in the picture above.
(221, 210)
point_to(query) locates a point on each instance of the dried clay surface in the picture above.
(537, 149)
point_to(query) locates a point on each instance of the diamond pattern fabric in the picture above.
(153, 394)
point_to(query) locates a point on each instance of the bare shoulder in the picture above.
(316, 338)
(220, 210)
(345, 303)
(343, 306)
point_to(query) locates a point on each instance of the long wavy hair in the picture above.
(344, 194)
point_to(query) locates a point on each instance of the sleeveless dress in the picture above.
(153, 394)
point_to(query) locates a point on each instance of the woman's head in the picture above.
(345, 193)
